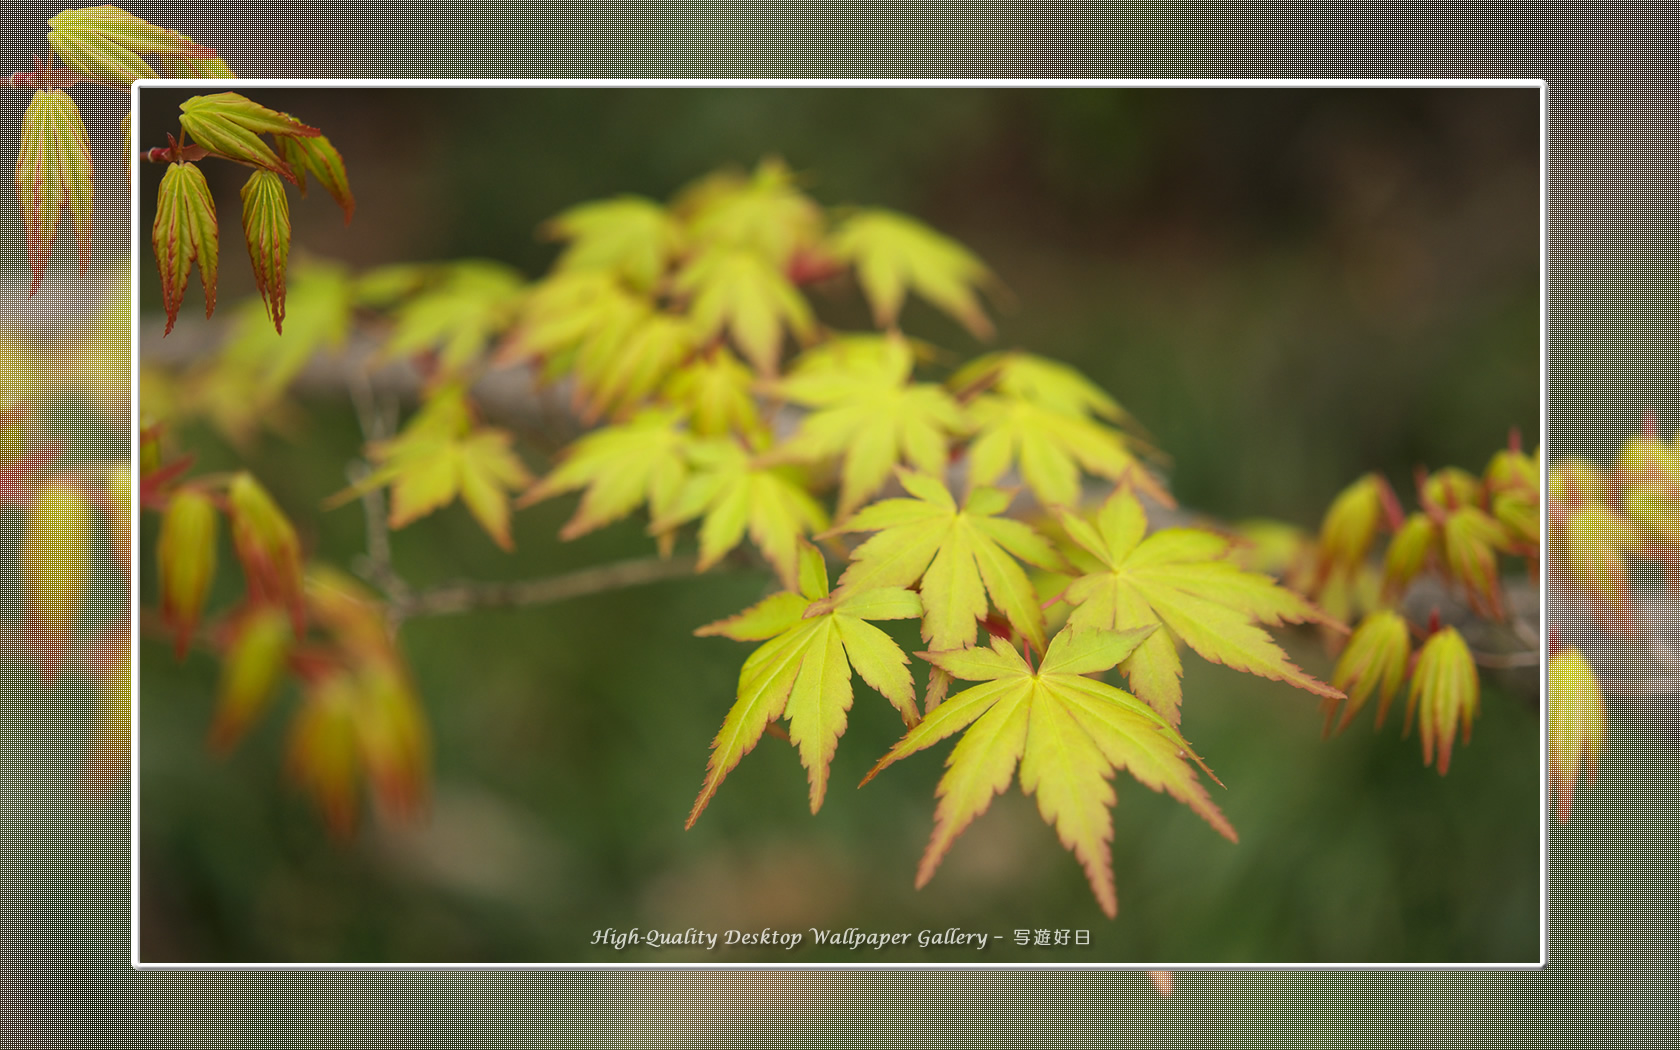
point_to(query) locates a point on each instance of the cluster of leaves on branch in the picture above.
(723, 409)
(1461, 529)
(105, 46)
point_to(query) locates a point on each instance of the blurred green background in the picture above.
(1287, 287)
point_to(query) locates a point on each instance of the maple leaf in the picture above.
(458, 316)
(315, 155)
(183, 232)
(574, 319)
(54, 172)
(866, 408)
(1576, 719)
(268, 238)
(1376, 654)
(230, 125)
(738, 290)
(622, 466)
(1049, 449)
(960, 555)
(763, 214)
(1445, 695)
(716, 391)
(1068, 732)
(1180, 578)
(629, 236)
(804, 670)
(895, 254)
(1052, 384)
(1469, 539)
(440, 455)
(104, 44)
(744, 494)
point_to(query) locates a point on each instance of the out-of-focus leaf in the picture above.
(894, 253)
(258, 643)
(866, 409)
(1350, 525)
(230, 125)
(185, 232)
(1408, 551)
(1051, 384)
(1451, 488)
(622, 466)
(805, 670)
(104, 44)
(1577, 725)
(1591, 546)
(630, 237)
(267, 546)
(268, 237)
(716, 390)
(54, 172)
(737, 291)
(319, 308)
(1069, 732)
(322, 751)
(742, 494)
(1445, 695)
(55, 560)
(1183, 580)
(316, 156)
(1374, 660)
(1471, 540)
(391, 732)
(458, 316)
(764, 215)
(186, 559)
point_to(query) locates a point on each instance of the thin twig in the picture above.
(468, 597)
(376, 565)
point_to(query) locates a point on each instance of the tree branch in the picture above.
(468, 597)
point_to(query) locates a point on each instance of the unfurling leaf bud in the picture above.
(55, 559)
(268, 237)
(230, 125)
(393, 738)
(1349, 526)
(186, 556)
(256, 654)
(321, 754)
(316, 156)
(1407, 552)
(1577, 718)
(54, 172)
(185, 231)
(267, 546)
(104, 44)
(1375, 655)
(1445, 694)
(1470, 538)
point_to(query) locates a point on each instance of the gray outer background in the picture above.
(64, 976)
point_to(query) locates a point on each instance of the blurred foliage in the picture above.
(1287, 288)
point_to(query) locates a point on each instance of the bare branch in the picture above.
(468, 597)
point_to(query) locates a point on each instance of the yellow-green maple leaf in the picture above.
(629, 236)
(442, 455)
(573, 314)
(1049, 448)
(745, 494)
(1180, 578)
(1052, 384)
(737, 290)
(470, 304)
(866, 408)
(1069, 734)
(960, 554)
(895, 254)
(804, 670)
(716, 391)
(764, 214)
(621, 467)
